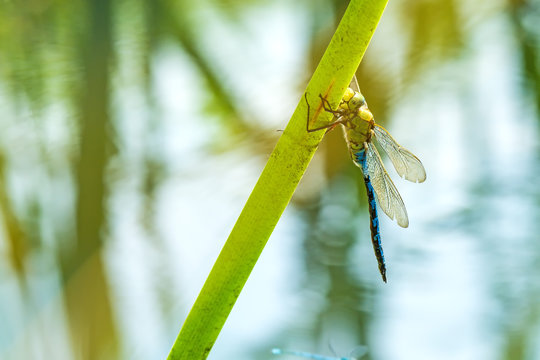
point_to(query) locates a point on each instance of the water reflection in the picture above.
(128, 148)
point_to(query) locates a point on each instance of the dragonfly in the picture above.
(360, 353)
(359, 129)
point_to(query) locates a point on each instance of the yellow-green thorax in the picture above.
(358, 120)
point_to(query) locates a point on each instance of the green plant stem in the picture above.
(277, 183)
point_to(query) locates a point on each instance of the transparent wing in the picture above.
(354, 84)
(389, 199)
(406, 164)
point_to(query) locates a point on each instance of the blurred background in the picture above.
(132, 133)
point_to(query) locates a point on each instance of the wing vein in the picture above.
(387, 195)
(406, 163)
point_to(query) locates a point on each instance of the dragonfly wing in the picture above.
(406, 164)
(354, 84)
(389, 199)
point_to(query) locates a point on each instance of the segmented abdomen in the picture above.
(360, 158)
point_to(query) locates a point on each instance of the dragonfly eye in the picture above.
(357, 101)
(349, 93)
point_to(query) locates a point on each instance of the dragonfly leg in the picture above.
(327, 107)
(328, 126)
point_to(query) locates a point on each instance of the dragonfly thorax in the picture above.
(358, 122)
(365, 114)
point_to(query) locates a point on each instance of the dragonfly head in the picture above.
(357, 101)
(347, 96)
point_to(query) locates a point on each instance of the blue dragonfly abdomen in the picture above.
(360, 158)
